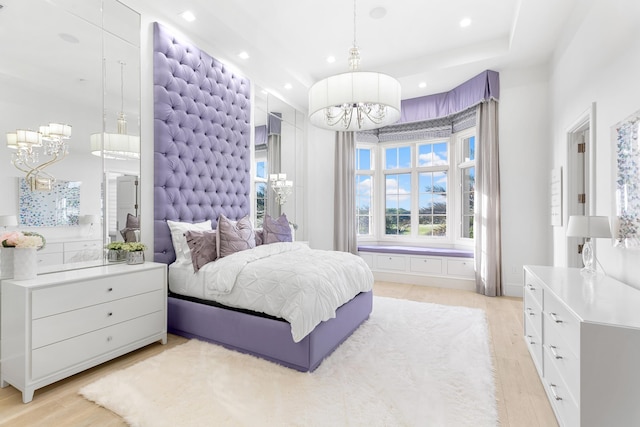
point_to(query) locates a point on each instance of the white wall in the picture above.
(599, 61)
(524, 173)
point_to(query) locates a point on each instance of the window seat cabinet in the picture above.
(583, 334)
(59, 324)
(449, 268)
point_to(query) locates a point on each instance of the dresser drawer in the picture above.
(82, 245)
(51, 329)
(533, 312)
(425, 265)
(533, 338)
(51, 258)
(58, 299)
(566, 409)
(388, 262)
(465, 268)
(533, 290)
(568, 327)
(64, 354)
(566, 361)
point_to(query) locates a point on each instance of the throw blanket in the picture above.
(288, 280)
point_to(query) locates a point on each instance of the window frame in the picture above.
(453, 191)
(372, 173)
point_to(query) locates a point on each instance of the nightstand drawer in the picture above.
(51, 329)
(533, 312)
(426, 265)
(58, 299)
(64, 354)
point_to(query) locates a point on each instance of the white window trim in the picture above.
(454, 193)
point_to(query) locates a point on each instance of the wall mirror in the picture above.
(279, 154)
(77, 64)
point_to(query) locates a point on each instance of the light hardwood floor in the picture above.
(519, 393)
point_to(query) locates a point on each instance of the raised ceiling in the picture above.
(288, 41)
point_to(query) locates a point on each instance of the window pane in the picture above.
(468, 195)
(469, 149)
(261, 170)
(440, 182)
(363, 225)
(397, 157)
(398, 204)
(363, 185)
(433, 154)
(363, 159)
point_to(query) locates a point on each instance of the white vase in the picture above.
(135, 257)
(6, 263)
(25, 264)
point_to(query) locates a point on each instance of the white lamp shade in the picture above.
(12, 140)
(115, 146)
(354, 88)
(588, 226)
(8, 220)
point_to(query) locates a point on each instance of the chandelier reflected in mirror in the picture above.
(36, 150)
(281, 186)
(119, 145)
(355, 100)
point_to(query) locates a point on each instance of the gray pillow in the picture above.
(132, 221)
(203, 247)
(259, 234)
(274, 231)
(234, 236)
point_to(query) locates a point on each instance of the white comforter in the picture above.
(288, 280)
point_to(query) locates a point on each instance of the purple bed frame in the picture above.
(202, 134)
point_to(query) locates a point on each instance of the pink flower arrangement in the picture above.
(18, 239)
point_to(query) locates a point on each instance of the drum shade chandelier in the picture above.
(355, 100)
(120, 145)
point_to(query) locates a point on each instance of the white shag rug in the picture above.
(410, 364)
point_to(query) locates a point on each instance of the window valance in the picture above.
(439, 115)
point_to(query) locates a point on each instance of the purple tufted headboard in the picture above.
(202, 125)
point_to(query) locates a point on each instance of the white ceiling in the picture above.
(288, 41)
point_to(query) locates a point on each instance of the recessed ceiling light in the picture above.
(243, 55)
(331, 59)
(188, 16)
(465, 22)
(288, 86)
(378, 12)
(422, 85)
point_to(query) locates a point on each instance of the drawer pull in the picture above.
(110, 290)
(109, 314)
(531, 312)
(531, 288)
(109, 338)
(554, 316)
(552, 389)
(555, 354)
(530, 340)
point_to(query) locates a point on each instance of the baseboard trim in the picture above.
(435, 281)
(513, 290)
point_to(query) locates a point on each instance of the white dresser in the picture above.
(62, 323)
(584, 337)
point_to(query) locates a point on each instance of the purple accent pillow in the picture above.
(277, 230)
(234, 236)
(259, 236)
(203, 247)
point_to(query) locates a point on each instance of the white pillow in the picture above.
(180, 246)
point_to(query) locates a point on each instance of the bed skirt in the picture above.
(267, 338)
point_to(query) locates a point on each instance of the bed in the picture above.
(202, 158)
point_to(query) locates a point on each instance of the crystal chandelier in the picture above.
(36, 150)
(355, 100)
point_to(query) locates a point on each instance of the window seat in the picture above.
(429, 266)
(417, 250)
